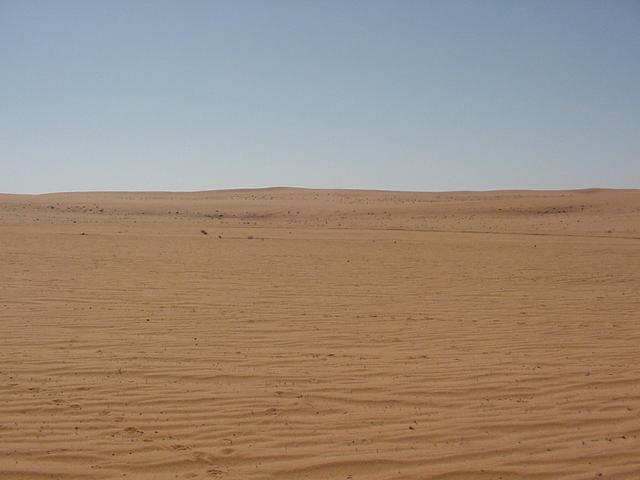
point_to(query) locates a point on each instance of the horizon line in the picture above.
(347, 189)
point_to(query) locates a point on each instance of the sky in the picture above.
(399, 95)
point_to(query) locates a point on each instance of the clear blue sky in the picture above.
(413, 95)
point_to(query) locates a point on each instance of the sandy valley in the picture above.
(320, 334)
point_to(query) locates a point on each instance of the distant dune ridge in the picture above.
(320, 334)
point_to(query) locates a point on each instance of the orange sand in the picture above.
(316, 334)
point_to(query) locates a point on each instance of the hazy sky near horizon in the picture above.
(408, 95)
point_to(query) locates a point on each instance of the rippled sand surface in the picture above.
(317, 334)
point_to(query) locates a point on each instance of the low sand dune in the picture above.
(317, 334)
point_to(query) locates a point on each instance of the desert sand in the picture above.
(319, 334)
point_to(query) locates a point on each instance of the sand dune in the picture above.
(319, 334)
